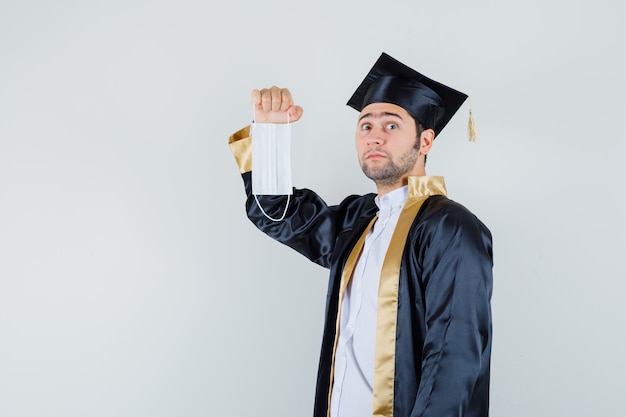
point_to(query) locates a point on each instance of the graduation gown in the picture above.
(433, 334)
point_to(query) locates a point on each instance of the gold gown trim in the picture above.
(240, 144)
(420, 188)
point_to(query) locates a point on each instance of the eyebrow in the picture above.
(380, 114)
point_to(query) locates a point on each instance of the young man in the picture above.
(408, 317)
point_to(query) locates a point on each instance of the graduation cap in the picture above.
(428, 101)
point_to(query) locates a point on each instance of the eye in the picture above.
(366, 126)
(391, 126)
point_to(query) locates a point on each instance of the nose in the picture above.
(374, 140)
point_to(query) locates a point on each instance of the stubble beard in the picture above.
(391, 172)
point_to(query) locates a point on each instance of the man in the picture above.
(408, 317)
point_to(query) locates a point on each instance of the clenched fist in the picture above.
(274, 105)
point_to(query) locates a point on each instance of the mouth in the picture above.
(374, 155)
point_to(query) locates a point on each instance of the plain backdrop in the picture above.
(131, 282)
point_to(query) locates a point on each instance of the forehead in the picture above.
(380, 109)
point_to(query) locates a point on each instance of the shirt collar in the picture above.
(393, 199)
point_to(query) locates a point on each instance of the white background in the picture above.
(131, 282)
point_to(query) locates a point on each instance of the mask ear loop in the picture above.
(288, 195)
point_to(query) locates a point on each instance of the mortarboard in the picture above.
(428, 101)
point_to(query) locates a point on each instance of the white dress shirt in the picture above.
(354, 362)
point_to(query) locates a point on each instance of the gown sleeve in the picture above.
(457, 283)
(310, 226)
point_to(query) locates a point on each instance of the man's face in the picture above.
(387, 143)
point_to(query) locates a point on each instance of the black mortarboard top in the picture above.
(429, 102)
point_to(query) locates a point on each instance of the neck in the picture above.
(386, 188)
(383, 187)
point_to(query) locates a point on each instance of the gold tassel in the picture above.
(471, 125)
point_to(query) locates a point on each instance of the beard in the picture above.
(391, 171)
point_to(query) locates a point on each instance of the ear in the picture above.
(426, 141)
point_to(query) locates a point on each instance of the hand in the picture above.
(273, 105)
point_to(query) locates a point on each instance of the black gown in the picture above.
(434, 319)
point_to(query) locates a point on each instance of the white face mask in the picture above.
(271, 159)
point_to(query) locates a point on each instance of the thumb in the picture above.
(295, 113)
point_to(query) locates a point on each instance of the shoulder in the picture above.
(364, 202)
(444, 228)
(441, 214)
(353, 208)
